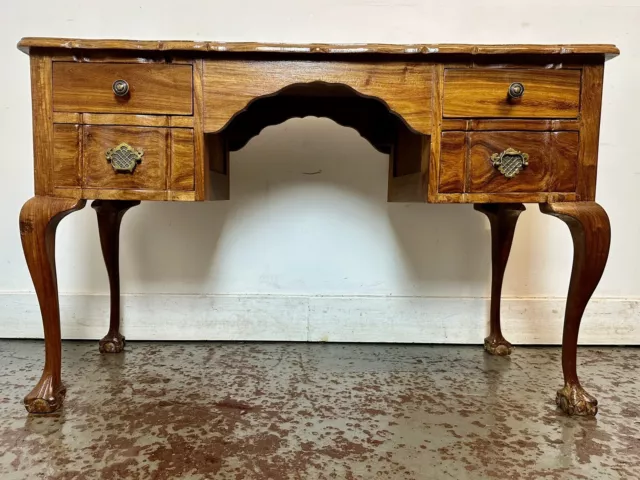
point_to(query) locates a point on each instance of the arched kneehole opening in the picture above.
(408, 151)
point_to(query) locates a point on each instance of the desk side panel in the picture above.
(42, 116)
(591, 108)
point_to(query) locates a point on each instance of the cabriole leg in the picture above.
(110, 213)
(503, 218)
(39, 219)
(591, 233)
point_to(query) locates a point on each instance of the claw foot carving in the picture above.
(574, 400)
(112, 343)
(45, 397)
(498, 346)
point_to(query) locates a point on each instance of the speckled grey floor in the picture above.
(317, 411)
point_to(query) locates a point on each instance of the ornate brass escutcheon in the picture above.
(510, 162)
(124, 158)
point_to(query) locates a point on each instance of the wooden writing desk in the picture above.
(494, 125)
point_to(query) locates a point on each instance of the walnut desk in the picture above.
(119, 122)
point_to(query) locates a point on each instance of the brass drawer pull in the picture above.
(120, 88)
(124, 158)
(516, 90)
(510, 162)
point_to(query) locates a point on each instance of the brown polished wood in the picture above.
(453, 159)
(591, 233)
(150, 173)
(550, 154)
(110, 213)
(67, 168)
(590, 132)
(28, 43)
(443, 114)
(39, 219)
(466, 162)
(502, 218)
(231, 85)
(153, 88)
(483, 92)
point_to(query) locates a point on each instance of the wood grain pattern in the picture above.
(592, 80)
(564, 160)
(503, 219)
(42, 110)
(477, 92)
(230, 85)
(110, 213)
(431, 169)
(537, 177)
(150, 174)
(453, 155)
(154, 88)
(202, 169)
(591, 234)
(182, 159)
(123, 119)
(511, 124)
(125, 194)
(172, 121)
(39, 219)
(537, 197)
(67, 155)
(28, 43)
(66, 117)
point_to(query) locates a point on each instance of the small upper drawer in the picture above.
(150, 88)
(484, 93)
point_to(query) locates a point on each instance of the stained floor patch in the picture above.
(317, 411)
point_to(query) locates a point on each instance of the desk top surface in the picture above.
(27, 43)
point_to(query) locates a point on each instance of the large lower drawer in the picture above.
(508, 162)
(123, 158)
(106, 147)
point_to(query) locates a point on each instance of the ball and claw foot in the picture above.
(498, 346)
(45, 398)
(574, 400)
(112, 343)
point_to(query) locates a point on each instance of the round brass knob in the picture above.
(120, 88)
(516, 90)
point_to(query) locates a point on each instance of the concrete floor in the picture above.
(317, 411)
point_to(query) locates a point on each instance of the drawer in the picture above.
(471, 162)
(484, 93)
(152, 88)
(150, 173)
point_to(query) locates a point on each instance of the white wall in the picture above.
(286, 238)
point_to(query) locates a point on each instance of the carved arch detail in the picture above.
(368, 116)
(231, 86)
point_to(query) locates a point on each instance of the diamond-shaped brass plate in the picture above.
(124, 158)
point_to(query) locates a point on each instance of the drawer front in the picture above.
(152, 88)
(471, 163)
(549, 154)
(484, 93)
(150, 173)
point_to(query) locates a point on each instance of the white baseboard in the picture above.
(323, 318)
